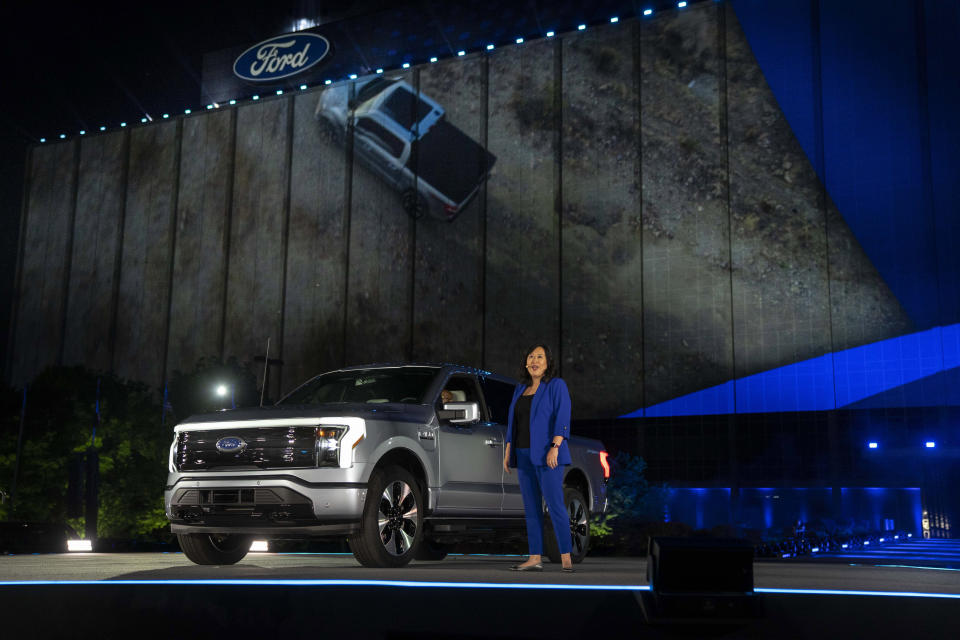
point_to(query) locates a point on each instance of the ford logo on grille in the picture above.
(281, 57)
(231, 444)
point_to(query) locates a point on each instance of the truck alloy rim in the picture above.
(578, 525)
(398, 518)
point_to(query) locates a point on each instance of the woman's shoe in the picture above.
(568, 570)
(529, 567)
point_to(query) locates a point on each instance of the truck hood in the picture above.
(265, 415)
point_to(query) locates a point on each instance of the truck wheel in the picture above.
(391, 527)
(431, 551)
(413, 203)
(214, 548)
(579, 528)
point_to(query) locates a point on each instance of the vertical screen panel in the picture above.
(523, 234)
(96, 241)
(780, 274)
(448, 293)
(602, 233)
(38, 332)
(872, 145)
(255, 281)
(381, 233)
(197, 299)
(142, 305)
(316, 259)
(686, 279)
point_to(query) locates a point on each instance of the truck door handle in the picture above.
(492, 443)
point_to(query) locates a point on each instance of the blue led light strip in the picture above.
(456, 585)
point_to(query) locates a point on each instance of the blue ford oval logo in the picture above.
(231, 444)
(281, 57)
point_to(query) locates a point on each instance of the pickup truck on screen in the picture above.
(370, 453)
(405, 138)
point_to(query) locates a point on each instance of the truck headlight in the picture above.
(328, 445)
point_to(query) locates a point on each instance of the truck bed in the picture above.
(450, 161)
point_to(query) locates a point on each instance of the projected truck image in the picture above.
(402, 460)
(406, 139)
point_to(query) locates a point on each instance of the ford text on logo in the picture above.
(281, 57)
(231, 444)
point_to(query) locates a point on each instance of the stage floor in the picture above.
(463, 596)
(889, 573)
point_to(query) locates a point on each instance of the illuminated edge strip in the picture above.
(461, 585)
(239, 424)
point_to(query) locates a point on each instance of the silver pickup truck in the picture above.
(371, 453)
(405, 138)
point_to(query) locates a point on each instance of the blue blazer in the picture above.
(549, 417)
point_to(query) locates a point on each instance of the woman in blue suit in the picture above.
(538, 426)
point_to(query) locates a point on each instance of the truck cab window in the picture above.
(373, 129)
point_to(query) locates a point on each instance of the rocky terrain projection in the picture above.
(650, 214)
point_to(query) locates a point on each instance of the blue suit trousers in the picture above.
(537, 484)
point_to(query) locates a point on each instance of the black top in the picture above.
(521, 422)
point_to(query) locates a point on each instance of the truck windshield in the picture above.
(399, 384)
(405, 108)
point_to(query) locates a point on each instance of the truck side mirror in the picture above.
(460, 412)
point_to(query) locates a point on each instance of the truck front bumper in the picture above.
(268, 505)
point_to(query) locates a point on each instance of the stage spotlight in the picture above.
(930, 444)
(43, 140)
(222, 390)
(581, 27)
(406, 65)
(519, 40)
(378, 71)
(331, 81)
(303, 87)
(433, 59)
(103, 128)
(489, 47)
(844, 545)
(614, 19)
(259, 545)
(83, 132)
(461, 53)
(353, 76)
(233, 102)
(209, 107)
(166, 115)
(123, 124)
(550, 34)
(279, 92)
(873, 445)
(79, 545)
(681, 5)
(63, 136)
(255, 97)
(648, 12)
(187, 112)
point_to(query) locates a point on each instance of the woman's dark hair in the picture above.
(548, 373)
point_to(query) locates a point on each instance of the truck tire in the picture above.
(579, 528)
(413, 203)
(214, 548)
(391, 527)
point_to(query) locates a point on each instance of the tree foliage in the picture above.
(61, 421)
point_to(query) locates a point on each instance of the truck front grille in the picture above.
(257, 448)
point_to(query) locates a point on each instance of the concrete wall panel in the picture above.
(316, 259)
(200, 260)
(98, 228)
(147, 251)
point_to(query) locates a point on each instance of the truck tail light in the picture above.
(605, 464)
